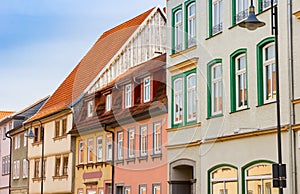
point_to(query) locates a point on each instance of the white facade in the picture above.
(240, 137)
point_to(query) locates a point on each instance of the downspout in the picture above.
(10, 163)
(292, 135)
(113, 159)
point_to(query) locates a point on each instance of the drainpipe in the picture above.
(10, 163)
(113, 159)
(292, 134)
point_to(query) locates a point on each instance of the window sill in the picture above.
(59, 137)
(183, 51)
(128, 160)
(158, 155)
(90, 164)
(60, 177)
(214, 35)
(267, 103)
(120, 161)
(16, 178)
(240, 110)
(215, 116)
(143, 158)
(100, 164)
(37, 179)
(80, 166)
(191, 125)
(37, 143)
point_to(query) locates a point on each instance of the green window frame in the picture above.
(242, 14)
(189, 41)
(213, 28)
(233, 81)
(260, 78)
(264, 5)
(221, 180)
(183, 76)
(174, 11)
(209, 87)
(248, 166)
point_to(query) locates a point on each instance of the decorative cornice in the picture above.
(184, 66)
(184, 145)
(296, 127)
(297, 14)
(296, 101)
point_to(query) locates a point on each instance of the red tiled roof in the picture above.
(118, 114)
(5, 114)
(90, 66)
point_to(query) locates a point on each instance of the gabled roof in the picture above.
(105, 48)
(5, 114)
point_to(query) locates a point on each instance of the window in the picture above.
(127, 190)
(64, 127)
(264, 4)
(128, 96)
(142, 189)
(147, 89)
(143, 140)
(79, 191)
(191, 23)
(17, 140)
(99, 149)
(109, 147)
(90, 150)
(57, 128)
(215, 21)
(25, 168)
(36, 168)
(177, 29)
(157, 138)
(57, 165)
(24, 140)
(238, 80)
(223, 180)
(184, 98)
(81, 152)
(120, 145)
(16, 171)
(266, 71)
(108, 188)
(241, 10)
(4, 132)
(5, 165)
(258, 178)
(156, 188)
(131, 143)
(90, 108)
(65, 165)
(36, 135)
(108, 102)
(215, 91)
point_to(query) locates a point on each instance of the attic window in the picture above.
(90, 108)
(147, 89)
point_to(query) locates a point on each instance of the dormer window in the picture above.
(90, 108)
(108, 102)
(147, 89)
(128, 96)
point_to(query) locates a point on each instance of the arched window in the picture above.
(191, 24)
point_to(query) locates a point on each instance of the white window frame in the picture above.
(24, 140)
(131, 139)
(178, 101)
(191, 24)
(191, 103)
(4, 131)
(157, 138)
(90, 107)
(147, 89)
(142, 189)
(81, 149)
(17, 139)
(266, 64)
(178, 33)
(143, 140)
(120, 145)
(217, 17)
(25, 168)
(90, 144)
(36, 173)
(128, 95)
(222, 180)
(257, 177)
(99, 149)
(127, 190)
(243, 74)
(216, 86)
(108, 102)
(156, 187)
(241, 10)
(16, 174)
(109, 147)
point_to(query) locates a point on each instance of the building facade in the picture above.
(5, 151)
(222, 115)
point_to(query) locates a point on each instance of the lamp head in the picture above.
(30, 135)
(251, 23)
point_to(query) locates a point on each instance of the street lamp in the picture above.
(31, 135)
(252, 23)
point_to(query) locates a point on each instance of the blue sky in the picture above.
(41, 41)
